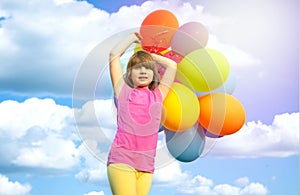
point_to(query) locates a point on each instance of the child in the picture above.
(139, 104)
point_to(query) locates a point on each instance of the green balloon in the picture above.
(203, 69)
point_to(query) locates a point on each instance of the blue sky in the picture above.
(51, 50)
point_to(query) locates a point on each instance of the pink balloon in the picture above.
(189, 37)
(173, 56)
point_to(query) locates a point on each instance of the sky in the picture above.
(58, 116)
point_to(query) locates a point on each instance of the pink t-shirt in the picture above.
(139, 114)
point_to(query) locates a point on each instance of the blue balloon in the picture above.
(161, 128)
(186, 146)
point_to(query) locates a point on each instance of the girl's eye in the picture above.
(139, 67)
(136, 67)
(147, 67)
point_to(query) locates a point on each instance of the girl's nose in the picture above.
(143, 69)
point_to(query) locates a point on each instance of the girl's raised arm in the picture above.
(115, 67)
(169, 75)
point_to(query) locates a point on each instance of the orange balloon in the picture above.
(221, 113)
(157, 30)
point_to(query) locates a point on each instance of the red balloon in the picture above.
(157, 30)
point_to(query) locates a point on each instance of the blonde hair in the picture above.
(142, 58)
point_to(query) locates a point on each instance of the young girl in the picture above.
(139, 106)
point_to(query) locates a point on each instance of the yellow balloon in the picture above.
(164, 51)
(138, 47)
(181, 108)
(203, 69)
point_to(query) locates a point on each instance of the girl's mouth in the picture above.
(143, 78)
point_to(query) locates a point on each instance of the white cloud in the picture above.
(59, 2)
(201, 186)
(184, 183)
(51, 152)
(96, 125)
(95, 193)
(235, 56)
(42, 144)
(42, 46)
(169, 175)
(17, 118)
(224, 189)
(98, 112)
(13, 188)
(196, 185)
(255, 139)
(254, 189)
(243, 181)
(93, 170)
(37, 133)
(43, 39)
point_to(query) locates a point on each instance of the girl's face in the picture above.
(141, 76)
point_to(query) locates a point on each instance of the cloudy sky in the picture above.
(58, 118)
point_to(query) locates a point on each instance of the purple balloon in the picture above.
(209, 134)
(189, 37)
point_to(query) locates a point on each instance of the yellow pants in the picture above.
(125, 180)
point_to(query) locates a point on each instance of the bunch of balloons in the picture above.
(199, 103)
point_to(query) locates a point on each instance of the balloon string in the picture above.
(161, 33)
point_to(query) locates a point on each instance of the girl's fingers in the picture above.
(138, 36)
